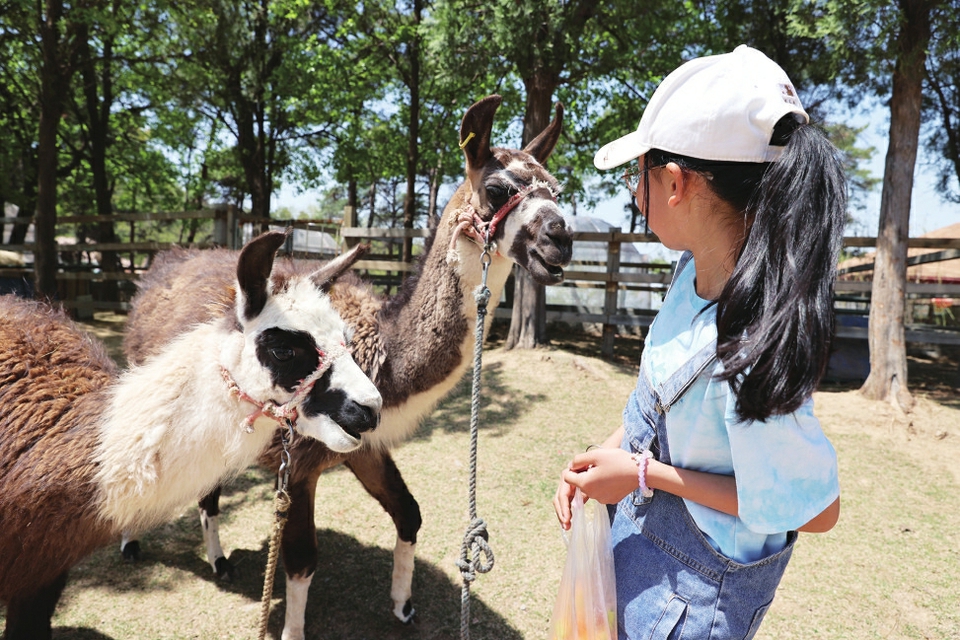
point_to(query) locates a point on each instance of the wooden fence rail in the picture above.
(610, 274)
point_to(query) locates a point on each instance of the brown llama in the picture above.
(86, 453)
(415, 346)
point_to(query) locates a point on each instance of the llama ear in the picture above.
(332, 270)
(254, 268)
(475, 131)
(542, 146)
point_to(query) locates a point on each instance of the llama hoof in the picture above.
(224, 569)
(131, 551)
(406, 614)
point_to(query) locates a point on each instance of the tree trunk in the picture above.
(252, 156)
(432, 218)
(413, 133)
(52, 91)
(246, 85)
(98, 106)
(888, 354)
(529, 315)
(352, 200)
(528, 322)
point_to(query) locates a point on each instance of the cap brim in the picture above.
(620, 151)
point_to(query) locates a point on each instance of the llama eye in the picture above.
(496, 193)
(281, 354)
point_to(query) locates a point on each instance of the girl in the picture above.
(720, 460)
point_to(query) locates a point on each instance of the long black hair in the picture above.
(775, 319)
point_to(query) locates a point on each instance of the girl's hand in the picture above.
(604, 474)
(561, 503)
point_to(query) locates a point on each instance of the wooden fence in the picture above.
(80, 274)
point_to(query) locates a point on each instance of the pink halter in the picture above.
(282, 413)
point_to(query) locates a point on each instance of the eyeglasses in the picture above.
(631, 177)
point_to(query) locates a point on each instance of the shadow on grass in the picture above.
(577, 341)
(501, 407)
(933, 371)
(78, 633)
(349, 596)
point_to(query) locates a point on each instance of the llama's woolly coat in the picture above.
(86, 454)
(52, 381)
(154, 321)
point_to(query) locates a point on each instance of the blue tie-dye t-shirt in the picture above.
(785, 467)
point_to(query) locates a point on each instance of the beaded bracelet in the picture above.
(641, 460)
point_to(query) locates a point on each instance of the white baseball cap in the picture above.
(721, 107)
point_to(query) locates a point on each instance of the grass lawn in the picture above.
(890, 569)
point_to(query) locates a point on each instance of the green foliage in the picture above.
(856, 42)
(942, 100)
(861, 181)
(19, 79)
(224, 101)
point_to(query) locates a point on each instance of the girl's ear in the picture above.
(677, 183)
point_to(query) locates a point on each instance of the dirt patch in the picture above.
(108, 327)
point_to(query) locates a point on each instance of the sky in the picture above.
(928, 211)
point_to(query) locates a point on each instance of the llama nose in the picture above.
(354, 415)
(359, 418)
(555, 228)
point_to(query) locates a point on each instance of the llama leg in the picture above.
(295, 614)
(299, 546)
(28, 617)
(210, 523)
(379, 475)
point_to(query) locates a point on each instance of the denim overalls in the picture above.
(671, 583)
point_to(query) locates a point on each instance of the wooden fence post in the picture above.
(233, 231)
(349, 220)
(226, 231)
(221, 227)
(611, 287)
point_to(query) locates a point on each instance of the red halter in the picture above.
(480, 230)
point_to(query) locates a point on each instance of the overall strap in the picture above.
(673, 387)
(666, 394)
(670, 390)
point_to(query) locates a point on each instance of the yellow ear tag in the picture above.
(465, 142)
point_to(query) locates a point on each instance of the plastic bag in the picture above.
(586, 607)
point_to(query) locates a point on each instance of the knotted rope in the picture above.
(281, 504)
(475, 541)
